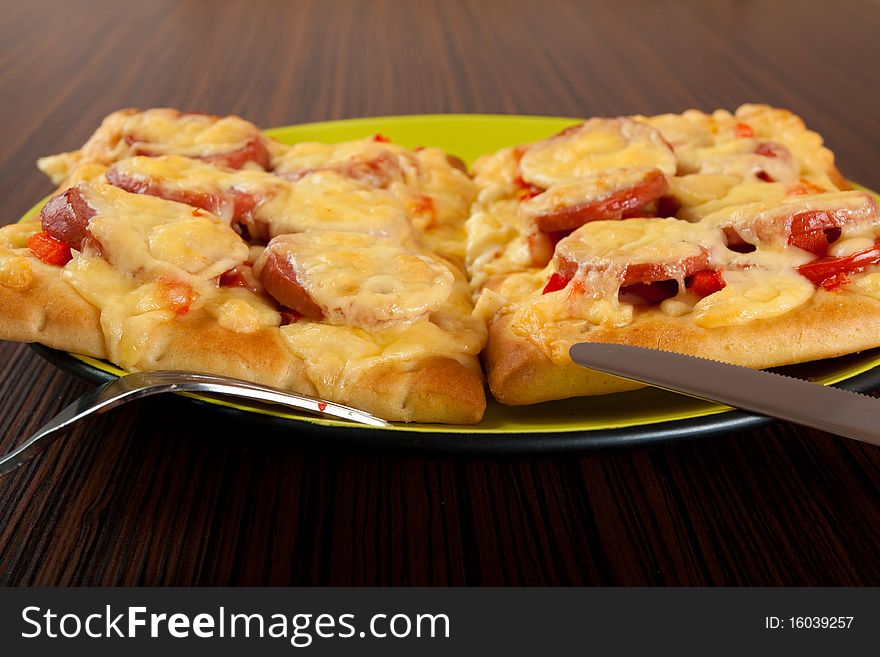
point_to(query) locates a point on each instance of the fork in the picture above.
(145, 384)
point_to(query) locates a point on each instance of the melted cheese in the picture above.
(603, 250)
(559, 319)
(770, 257)
(552, 321)
(361, 280)
(690, 129)
(312, 156)
(495, 245)
(241, 311)
(117, 297)
(815, 162)
(326, 200)
(867, 284)
(499, 233)
(590, 188)
(532, 323)
(88, 172)
(495, 174)
(330, 201)
(716, 143)
(849, 246)
(131, 311)
(16, 236)
(336, 355)
(698, 189)
(168, 131)
(488, 304)
(597, 145)
(450, 193)
(184, 176)
(738, 158)
(148, 247)
(436, 194)
(16, 273)
(751, 295)
(158, 131)
(431, 196)
(679, 305)
(150, 238)
(770, 221)
(696, 207)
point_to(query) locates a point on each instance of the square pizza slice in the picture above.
(727, 236)
(169, 257)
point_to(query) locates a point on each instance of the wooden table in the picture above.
(165, 492)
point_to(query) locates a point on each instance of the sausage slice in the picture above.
(594, 146)
(352, 278)
(608, 255)
(790, 219)
(66, 217)
(603, 196)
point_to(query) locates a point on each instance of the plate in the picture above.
(629, 418)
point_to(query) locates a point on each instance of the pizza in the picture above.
(397, 281)
(189, 241)
(730, 236)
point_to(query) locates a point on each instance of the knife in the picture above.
(834, 410)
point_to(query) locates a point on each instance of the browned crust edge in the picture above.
(50, 311)
(832, 324)
(434, 389)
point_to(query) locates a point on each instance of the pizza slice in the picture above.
(171, 258)
(226, 140)
(766, 259)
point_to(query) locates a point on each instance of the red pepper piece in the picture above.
(179, 296)
(49, 249)
(557, 282)
(706, 282)
(743, 130)
(830, 272)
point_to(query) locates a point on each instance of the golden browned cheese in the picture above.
(161, 130)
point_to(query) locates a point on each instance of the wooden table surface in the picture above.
(168, 493)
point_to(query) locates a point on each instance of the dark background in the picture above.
(165, 492)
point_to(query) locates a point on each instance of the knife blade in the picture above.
(831, 409)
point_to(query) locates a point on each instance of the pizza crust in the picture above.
(831, 324)
(50, 311)
(435, 389)
(432, 389)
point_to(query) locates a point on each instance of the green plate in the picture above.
(637, 417)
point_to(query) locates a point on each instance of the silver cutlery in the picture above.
(830, 409)
(145, 384)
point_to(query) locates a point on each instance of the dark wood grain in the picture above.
(168, 493)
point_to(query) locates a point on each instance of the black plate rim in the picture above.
(656, 433)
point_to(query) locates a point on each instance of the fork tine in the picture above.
(144, 384)
(49, 432)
